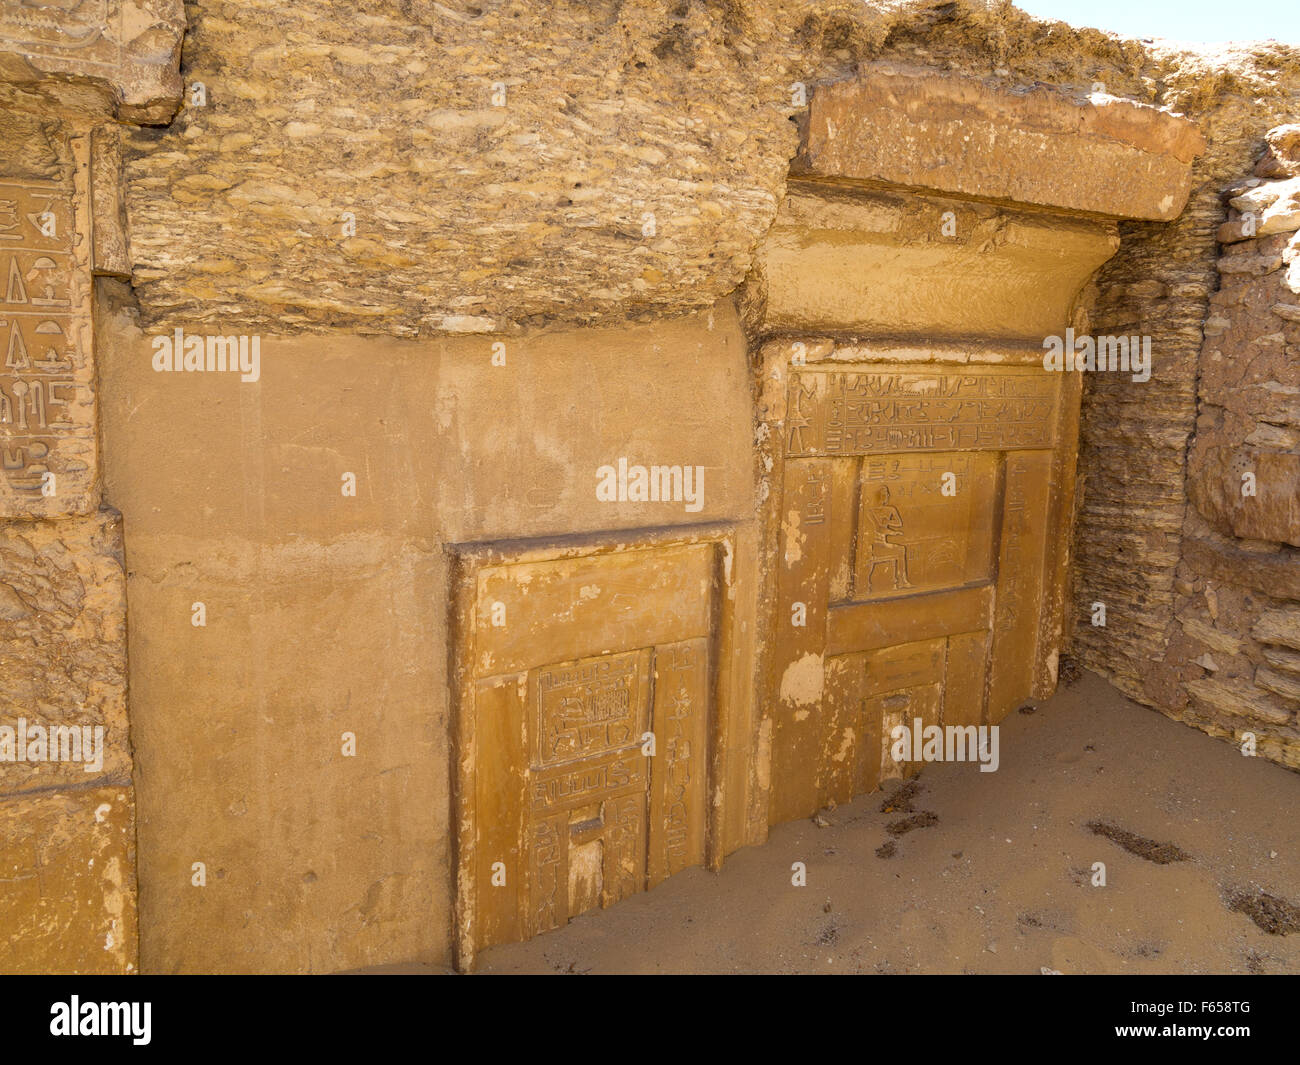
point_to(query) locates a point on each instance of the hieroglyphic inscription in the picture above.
(815, 486)
(924, 522)
(914, 510)
(548, 903)
(624, 848)
(86, 29)
(861, 413)
(1025, 528)
(590, 771)
(1015, 528)
(585, 782)
(46, 435)
(129, 47)
(677, 805)
(588, 708)
(680, 752)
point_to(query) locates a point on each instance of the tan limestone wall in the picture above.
(327, 613)
(67, 835)
(681, 111)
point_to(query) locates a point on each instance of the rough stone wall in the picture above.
(1238, 586)
(1136, 437)
(495, 184)
(492, 181)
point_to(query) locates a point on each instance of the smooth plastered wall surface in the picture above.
(327, 613)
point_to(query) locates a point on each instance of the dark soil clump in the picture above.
(899, 801)
(908, 824)
(1160, 853)
(1275, 916)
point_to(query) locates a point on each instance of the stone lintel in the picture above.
(878, 263)
(1098, 154)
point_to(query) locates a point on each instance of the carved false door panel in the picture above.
(915, 518)
(589, 658)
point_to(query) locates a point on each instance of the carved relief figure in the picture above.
(885, 525)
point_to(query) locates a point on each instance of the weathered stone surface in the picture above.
(628, 166)
(1263, 210)
(1244, 467)
(111, 252)
(62, 591)
(1259, 198)
(1272, 512)
(1238, 701)
(1280, 627)
(1252, 265)
(1274, 572)
(1280, 658)
(1244, 473)
(127, 50)
(1282, 156)
(1210, 636)
(1279, 683)
(533, 210)
(1100, 154)
(67, 862)
(1134, 524)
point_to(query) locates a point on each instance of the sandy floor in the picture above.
(1001, 883)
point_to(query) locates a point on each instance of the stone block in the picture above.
(1280, 627)
(1253, 493)
(1100, 154)
(1238, 699)
(883, 262)
(128, 50)
(62, 592)
(67, 862)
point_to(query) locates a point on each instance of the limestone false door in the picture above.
(584, 737)
(917, 561)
